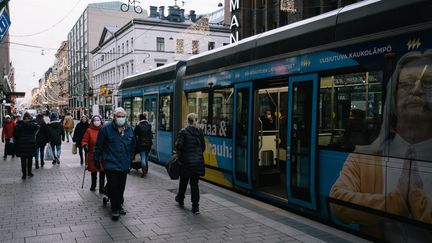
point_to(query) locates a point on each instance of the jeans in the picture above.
(193, 179)
(56, 149)
(144, 157)
(40, 151)
(116, 187)
(26, 165)
(68, 134)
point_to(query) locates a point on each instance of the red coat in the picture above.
(89, 138)
(8, 130)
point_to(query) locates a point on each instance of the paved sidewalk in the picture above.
(52, 207)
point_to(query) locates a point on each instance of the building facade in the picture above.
(7, 80)
(62, 77)
(83, 37)
(257, 16)
(146, 43)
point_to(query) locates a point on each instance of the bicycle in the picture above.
(125, 7)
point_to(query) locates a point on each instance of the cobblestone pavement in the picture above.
(52, 207)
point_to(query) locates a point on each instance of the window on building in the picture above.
(132, 68)
(159, 64)
(122, 50)
(350, 109)
(179, 46)
(165, 112)
(127, 69)
(195, 47)
(132, 44)
(211, 45)
(225, 44)
(127, 46)
(160, 44)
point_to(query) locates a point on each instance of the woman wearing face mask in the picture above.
(78, 135)
(88, 143)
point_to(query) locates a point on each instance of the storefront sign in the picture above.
(235, 24)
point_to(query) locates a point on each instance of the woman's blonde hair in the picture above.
(192, 119)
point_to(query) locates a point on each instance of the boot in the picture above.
(144, 170)
(93, 181)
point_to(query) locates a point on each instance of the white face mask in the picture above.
(97, 123)
(120, 121)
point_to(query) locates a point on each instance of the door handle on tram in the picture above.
(262, 134)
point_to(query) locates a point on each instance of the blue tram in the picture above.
(330, 116)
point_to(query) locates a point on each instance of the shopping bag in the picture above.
(74, 148)
(173, 168)
(49, 153)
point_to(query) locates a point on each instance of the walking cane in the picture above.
(85, 167)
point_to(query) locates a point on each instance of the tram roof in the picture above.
(163, 73)
(355, 20)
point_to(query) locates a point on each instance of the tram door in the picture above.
(301, 143)
(242, 135)
(270, 122)
(150, 105)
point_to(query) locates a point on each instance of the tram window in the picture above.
(165, 110)
(222, 119)
(198, 103)
(137, 107)
(350, 109)
(127, 105)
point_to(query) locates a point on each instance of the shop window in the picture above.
(165, 113)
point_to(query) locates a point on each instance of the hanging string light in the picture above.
(288, 6)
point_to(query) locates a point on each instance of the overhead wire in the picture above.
(52, 26)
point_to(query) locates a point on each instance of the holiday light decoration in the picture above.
(288, 6)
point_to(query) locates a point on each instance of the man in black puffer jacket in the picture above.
(144, 141)
(25, 143)
(56, 135)
(190, 146)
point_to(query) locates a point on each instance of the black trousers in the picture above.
(101, 180)
(116, 187)
(7, 141)
(193, 179)
(26, 165)
(80, 152)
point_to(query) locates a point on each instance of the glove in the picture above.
(97, 164)
(86, 148)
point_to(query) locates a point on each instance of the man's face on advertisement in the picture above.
(414, 91)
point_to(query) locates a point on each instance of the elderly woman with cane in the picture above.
(88, 143)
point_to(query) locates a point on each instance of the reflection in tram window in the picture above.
(198, 103)
(127, 105)
(223, 102)
(350, 109)
(214, 109)
(165, 110)
(137, 109)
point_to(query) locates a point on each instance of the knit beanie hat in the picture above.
(53, 116)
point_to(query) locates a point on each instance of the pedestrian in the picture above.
(78, 134)
(56, 135)
(189, 148)
(7, 135)
(88, 143)
(68, 125)
(41, 140)
(116, 145)
(144, 140)
(25, 143)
